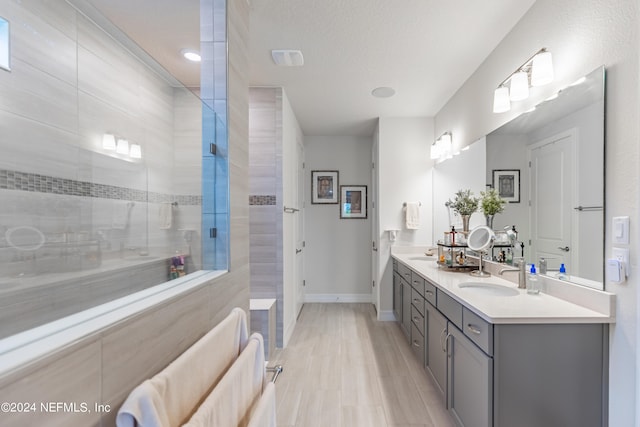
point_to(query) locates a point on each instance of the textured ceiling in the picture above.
(424, 49)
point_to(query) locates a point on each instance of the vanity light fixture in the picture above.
(442, 148)
(122, 146)
(108, 141)
(536, 71)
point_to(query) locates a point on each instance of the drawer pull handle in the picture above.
(416, 300)
(416, 318)
(474, 329)
(415, 343)
(430, 293)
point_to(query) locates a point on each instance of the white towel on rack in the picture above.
(412, 216)
(171, 397)
(231, 401)
(264, 412)
(165, 216)
(120, 217)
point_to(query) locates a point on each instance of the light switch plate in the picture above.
(620, 230)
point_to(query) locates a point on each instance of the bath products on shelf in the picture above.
(533, 286)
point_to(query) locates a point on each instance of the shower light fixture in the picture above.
(135, 152)
(122, 146)
(108, 141)
(538, 70)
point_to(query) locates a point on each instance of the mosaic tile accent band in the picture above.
(22, 181)
(262, 200)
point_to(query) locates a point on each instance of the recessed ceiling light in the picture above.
(191, 55)
(287, 58)
(383, 92)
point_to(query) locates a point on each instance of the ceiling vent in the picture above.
(287, 58)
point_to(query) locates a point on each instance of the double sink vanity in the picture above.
(499, 356)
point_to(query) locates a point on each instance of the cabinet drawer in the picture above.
(451, 308)
(395, 264)
(417, 282)
(405, 272)
(478, 330)
(417, 300)
(430, 293)
(418, 319)
(417, 344)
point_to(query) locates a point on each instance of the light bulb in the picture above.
(108, 141)
(501, 101)
(122, 147)
(519, 86)
(542, 69)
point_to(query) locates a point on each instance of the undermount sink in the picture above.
(487, 288)
(423, 258)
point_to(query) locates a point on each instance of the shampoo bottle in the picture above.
(562, 274)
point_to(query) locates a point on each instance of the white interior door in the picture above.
(300, 202)
(551, 199)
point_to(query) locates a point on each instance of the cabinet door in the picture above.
(397, 296)
(436, 356)
(469, 393)
(406, 308)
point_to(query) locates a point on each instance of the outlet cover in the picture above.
(622, 255)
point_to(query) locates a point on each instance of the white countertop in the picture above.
(577, 305)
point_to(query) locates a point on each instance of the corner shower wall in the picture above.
(81, 225)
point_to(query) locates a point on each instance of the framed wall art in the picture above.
(507, 183)
(353, 201)
(324, 187)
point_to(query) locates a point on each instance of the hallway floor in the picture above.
(343, 368)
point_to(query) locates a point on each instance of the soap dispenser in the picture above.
(562, 274)
(533, 287)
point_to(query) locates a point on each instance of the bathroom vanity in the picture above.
(501, 357)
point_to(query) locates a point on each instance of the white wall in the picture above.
(582, 35)
(337, 261)
(404, 175)
(291, 133)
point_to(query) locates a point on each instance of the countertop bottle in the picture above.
(562, 274)
(533, 286)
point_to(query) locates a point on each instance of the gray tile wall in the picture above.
(265, 186)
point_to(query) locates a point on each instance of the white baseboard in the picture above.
(386, 316)
(346, 298)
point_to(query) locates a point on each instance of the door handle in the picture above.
(298, 251)
(565, 249)
(373, 245)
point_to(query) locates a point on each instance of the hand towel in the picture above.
(165, 216)
(229, 403)
(412, 216)
(173, 395)
(263, 413)
(120, 215)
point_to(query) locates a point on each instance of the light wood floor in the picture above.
(343, 368)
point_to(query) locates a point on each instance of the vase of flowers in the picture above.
(491, 204)
(464, 204)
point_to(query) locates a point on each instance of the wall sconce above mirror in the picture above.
(442, 148)
(536, 71)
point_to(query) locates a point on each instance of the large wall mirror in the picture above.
(557, 150)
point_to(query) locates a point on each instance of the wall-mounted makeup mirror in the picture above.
(558, 149)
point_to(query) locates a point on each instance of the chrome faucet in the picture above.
(521, 269)
(542, 265)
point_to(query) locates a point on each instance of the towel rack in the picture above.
(277, 370)
(404, 205)
(588, 208)
(291, 210)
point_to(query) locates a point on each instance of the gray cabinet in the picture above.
(397, 296)
(504, 375)
(470, 381)
(436, 352)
